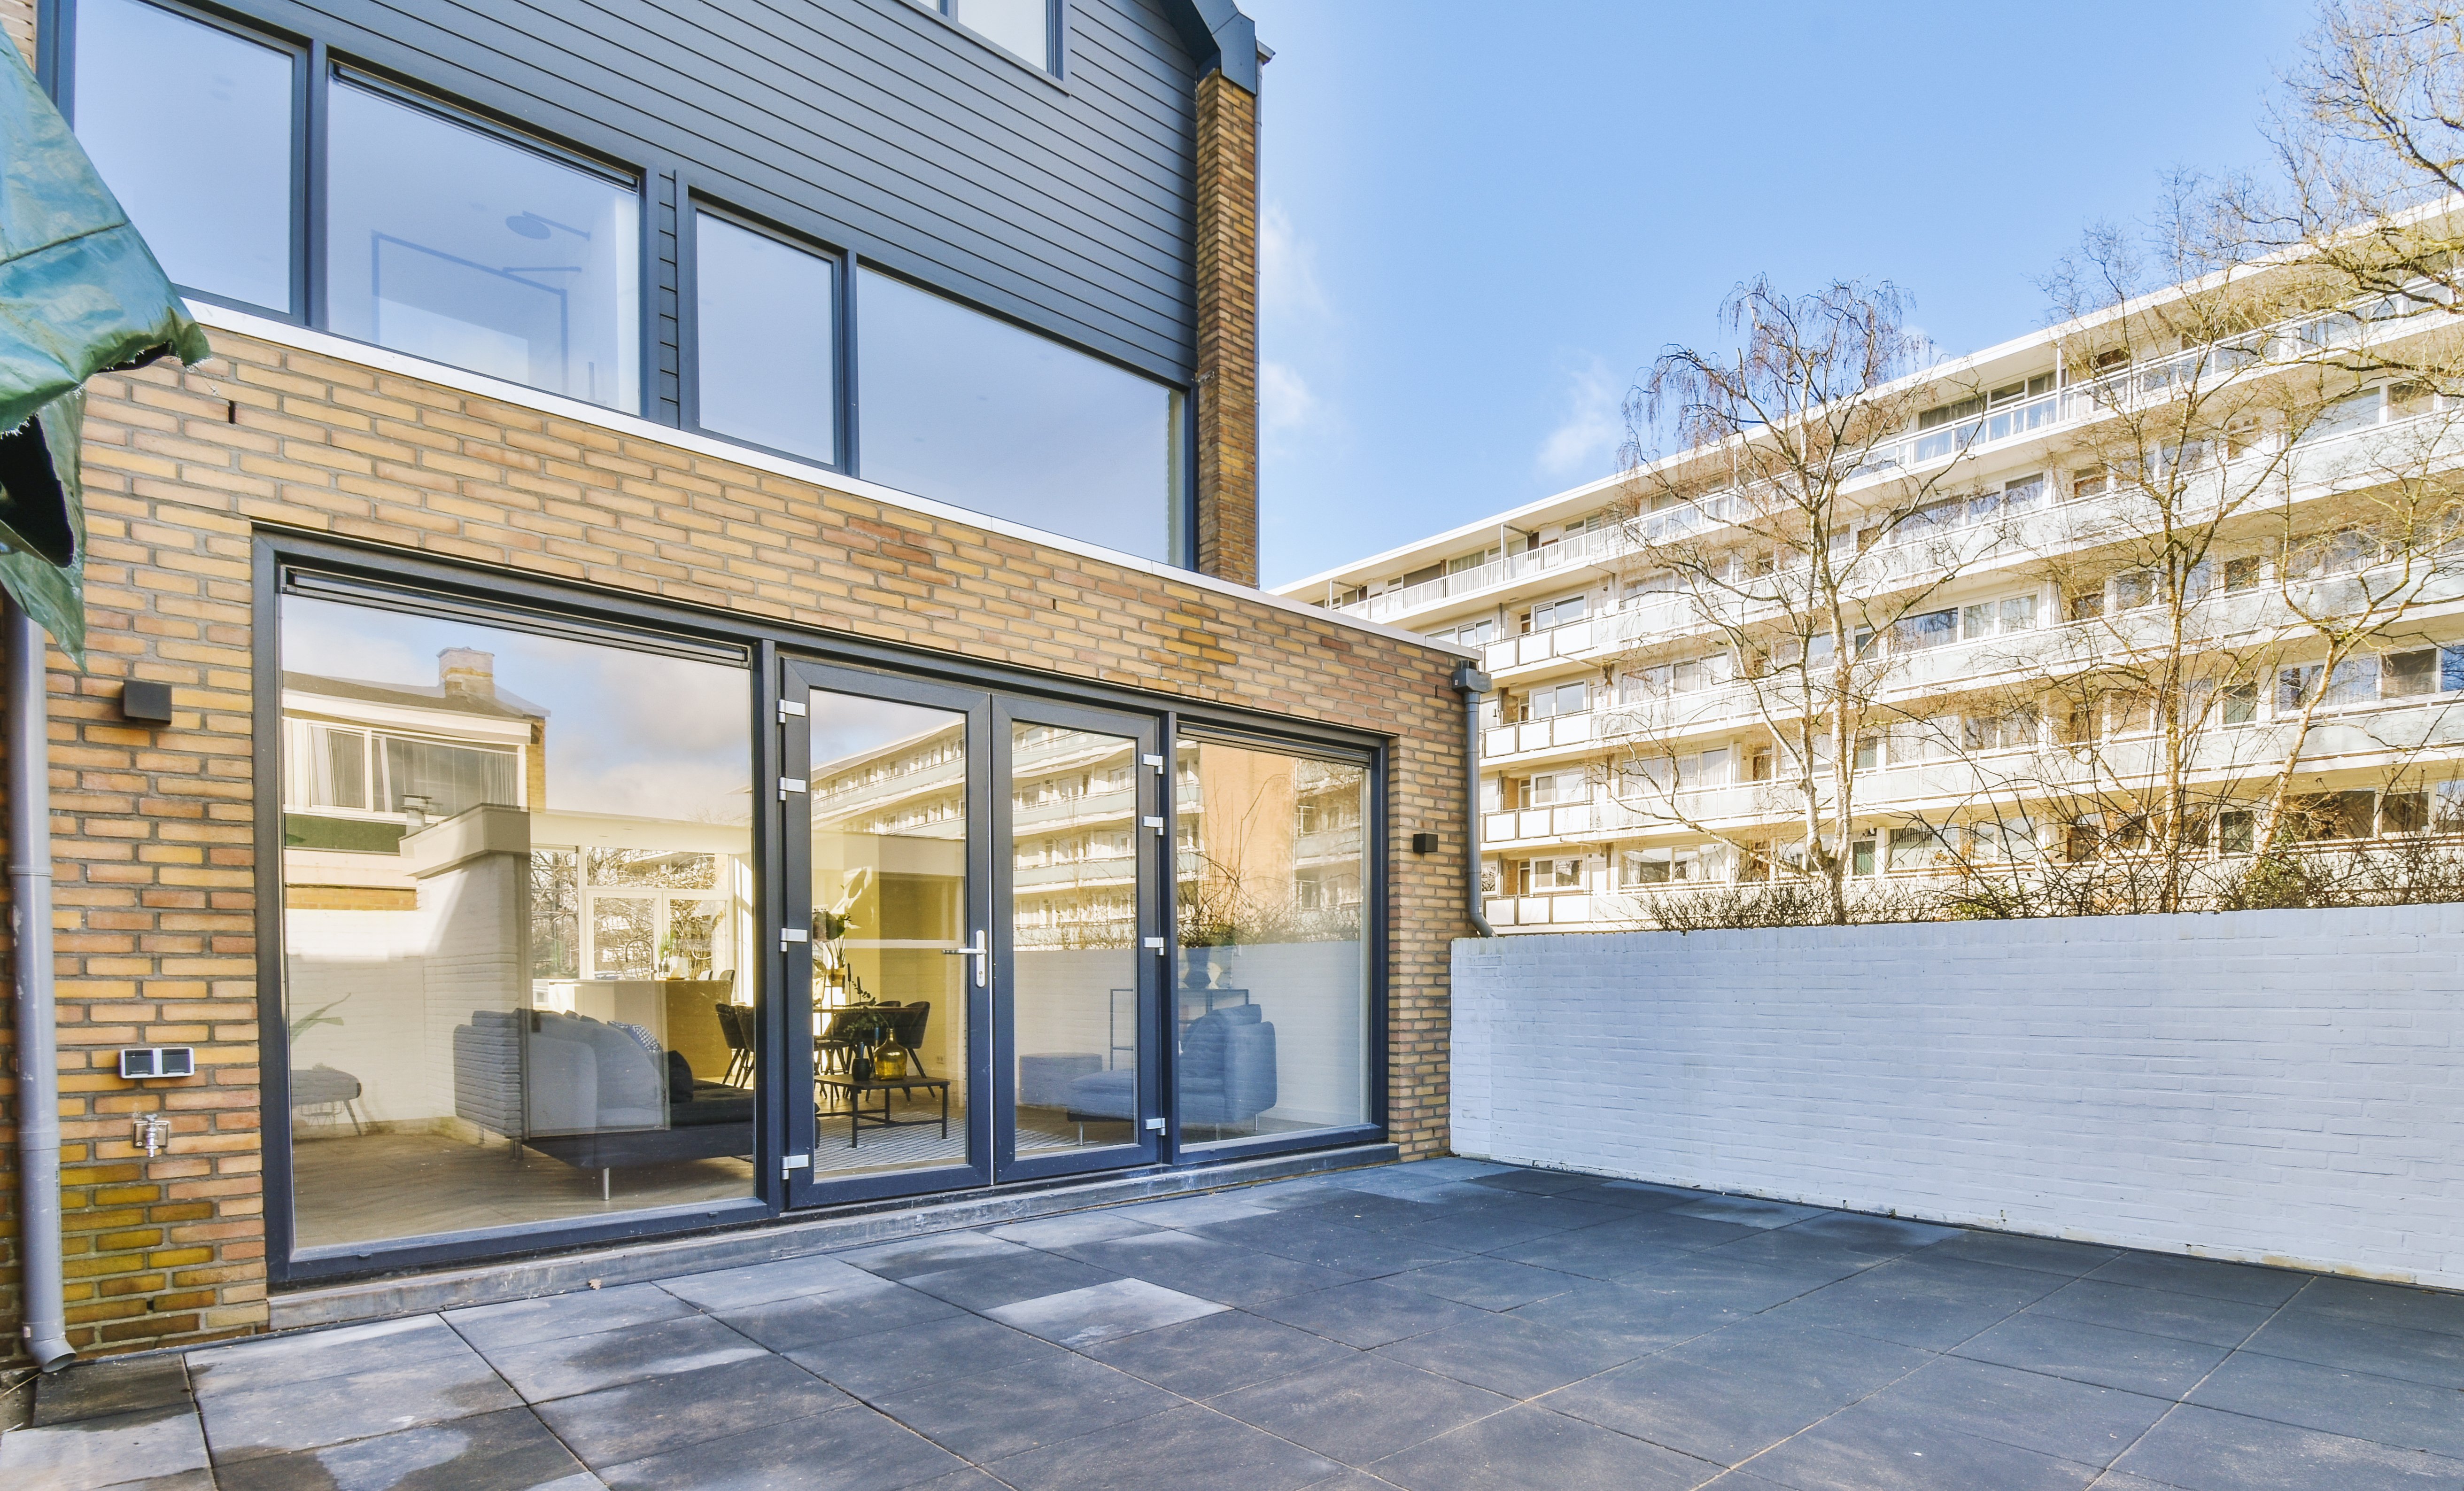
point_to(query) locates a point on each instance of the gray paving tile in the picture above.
(580, 1312)
(1935, 1307)
(2426, 1356)
(1361, 1253)
(759, 1283)
(1645, 1320)
(1732, 1394)
(1747, 1211)
(2045, 1254)
(907, 1257)
(2401, 1305)
(1489, 1284)
(2160, 1366)
(507, 1451)
(657, 1414)
(2410, 1415)
(270, 1361)
(954, 1346)
(1536, 1182)
(1188, 1447)
(100, 1390)
(1218, 1353)
(811, 1320)
(2205, 1449)
(851, 1450)
(1868, 1448)
(1490, 1228)
(1349, 1208)
(2202, 1276)
(566, 1365)
(982, 1284)
(317, 1412)
(1100, 1312)
(1519, 1358)
(1739, 1282)
(1795, 1248)
(1891, 1234)
(1194, 1210)
(148, 1443)
(1369, 1313)
(1011, 1409)
(1531, 1448)
(1053, 1232)
(2052, 1415)
(1209, 1269)
(1645, 1192)
(1454, 1167)
(1361, 1409)
(2157, 1312)
(1621, 1246)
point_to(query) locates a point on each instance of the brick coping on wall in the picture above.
(385, 359)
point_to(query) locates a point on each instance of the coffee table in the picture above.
(858, 1118)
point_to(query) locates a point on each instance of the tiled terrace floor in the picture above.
(1442, 1327)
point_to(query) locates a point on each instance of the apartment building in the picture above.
(1632, 748)
(681, 586)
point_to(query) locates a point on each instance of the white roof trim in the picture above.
(285, 334)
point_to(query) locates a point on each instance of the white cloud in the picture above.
(1285, 401)
(1288, 282)
(1585, 441)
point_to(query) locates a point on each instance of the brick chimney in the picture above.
(467, 673)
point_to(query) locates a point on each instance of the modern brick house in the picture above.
(695, 523)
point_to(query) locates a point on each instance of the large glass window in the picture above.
(765, 340)
(971, 411)
(1022, 28)
(1271, 996)
(454, 244)
(519, 947)
(192, 128)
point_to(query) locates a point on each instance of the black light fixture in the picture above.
(1424, 843)
(144, 703)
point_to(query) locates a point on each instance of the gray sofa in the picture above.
(596, 1098)
(1227, 1073)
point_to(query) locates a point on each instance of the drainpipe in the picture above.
(39, 1071)
(1471, 683)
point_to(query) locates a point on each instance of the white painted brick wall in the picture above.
(2280, 1087)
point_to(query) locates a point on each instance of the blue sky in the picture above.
(1481, 222)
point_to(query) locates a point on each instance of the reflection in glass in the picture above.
(1021, 27)
(518, 931)
(1272, 1012)
(764, 340)
(454, 245)
(203, 168)
(887, 788)
(974, 411)
(1074, 925)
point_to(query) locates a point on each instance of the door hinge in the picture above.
(788, 784)
(1156, 946)
(1156, 824)
(788, 1165)
(1154, 1126)
(1155, 761)
(788, 937)
(789, 709)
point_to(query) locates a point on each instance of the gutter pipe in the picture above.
(1471, 683)
(39, 1071)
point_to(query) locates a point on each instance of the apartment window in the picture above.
(1918, 848)
(1661, 680)
(1554, 789)
(2007, 730)
(2239, 703)
(968, 409)
(1996, 618)
(1025, 29)
(1674, 866)
(1468, 561)
(2241, 574)
(1546, 703)
(1555, 613)
(1928, 629)
(463, 246)
(1549, 876)
(765, 340)
(2235, 831)
(2355, 680)
(1469, 634)
(1640, 591)
(205, 170)
(2354, 412)
(2091, 481)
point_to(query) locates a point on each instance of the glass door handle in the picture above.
(980, 952)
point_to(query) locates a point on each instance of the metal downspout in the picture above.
(1471, 683)
(39, 1071)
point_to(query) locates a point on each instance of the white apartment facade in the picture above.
(1600, 671)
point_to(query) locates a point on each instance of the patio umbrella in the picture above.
(80, 294)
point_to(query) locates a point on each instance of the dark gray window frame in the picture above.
(1055, 70)
(385, 578)
(690, 202)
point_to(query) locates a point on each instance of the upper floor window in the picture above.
(208, 183)
(765, 346)
(972, 411)
(465, 247)
(1028, 29)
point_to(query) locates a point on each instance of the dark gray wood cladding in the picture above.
(871, 125)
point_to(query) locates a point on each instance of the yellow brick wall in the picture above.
(154, 828)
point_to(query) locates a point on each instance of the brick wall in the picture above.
(1227, 330)
(2272, 1086)
(153, 829)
